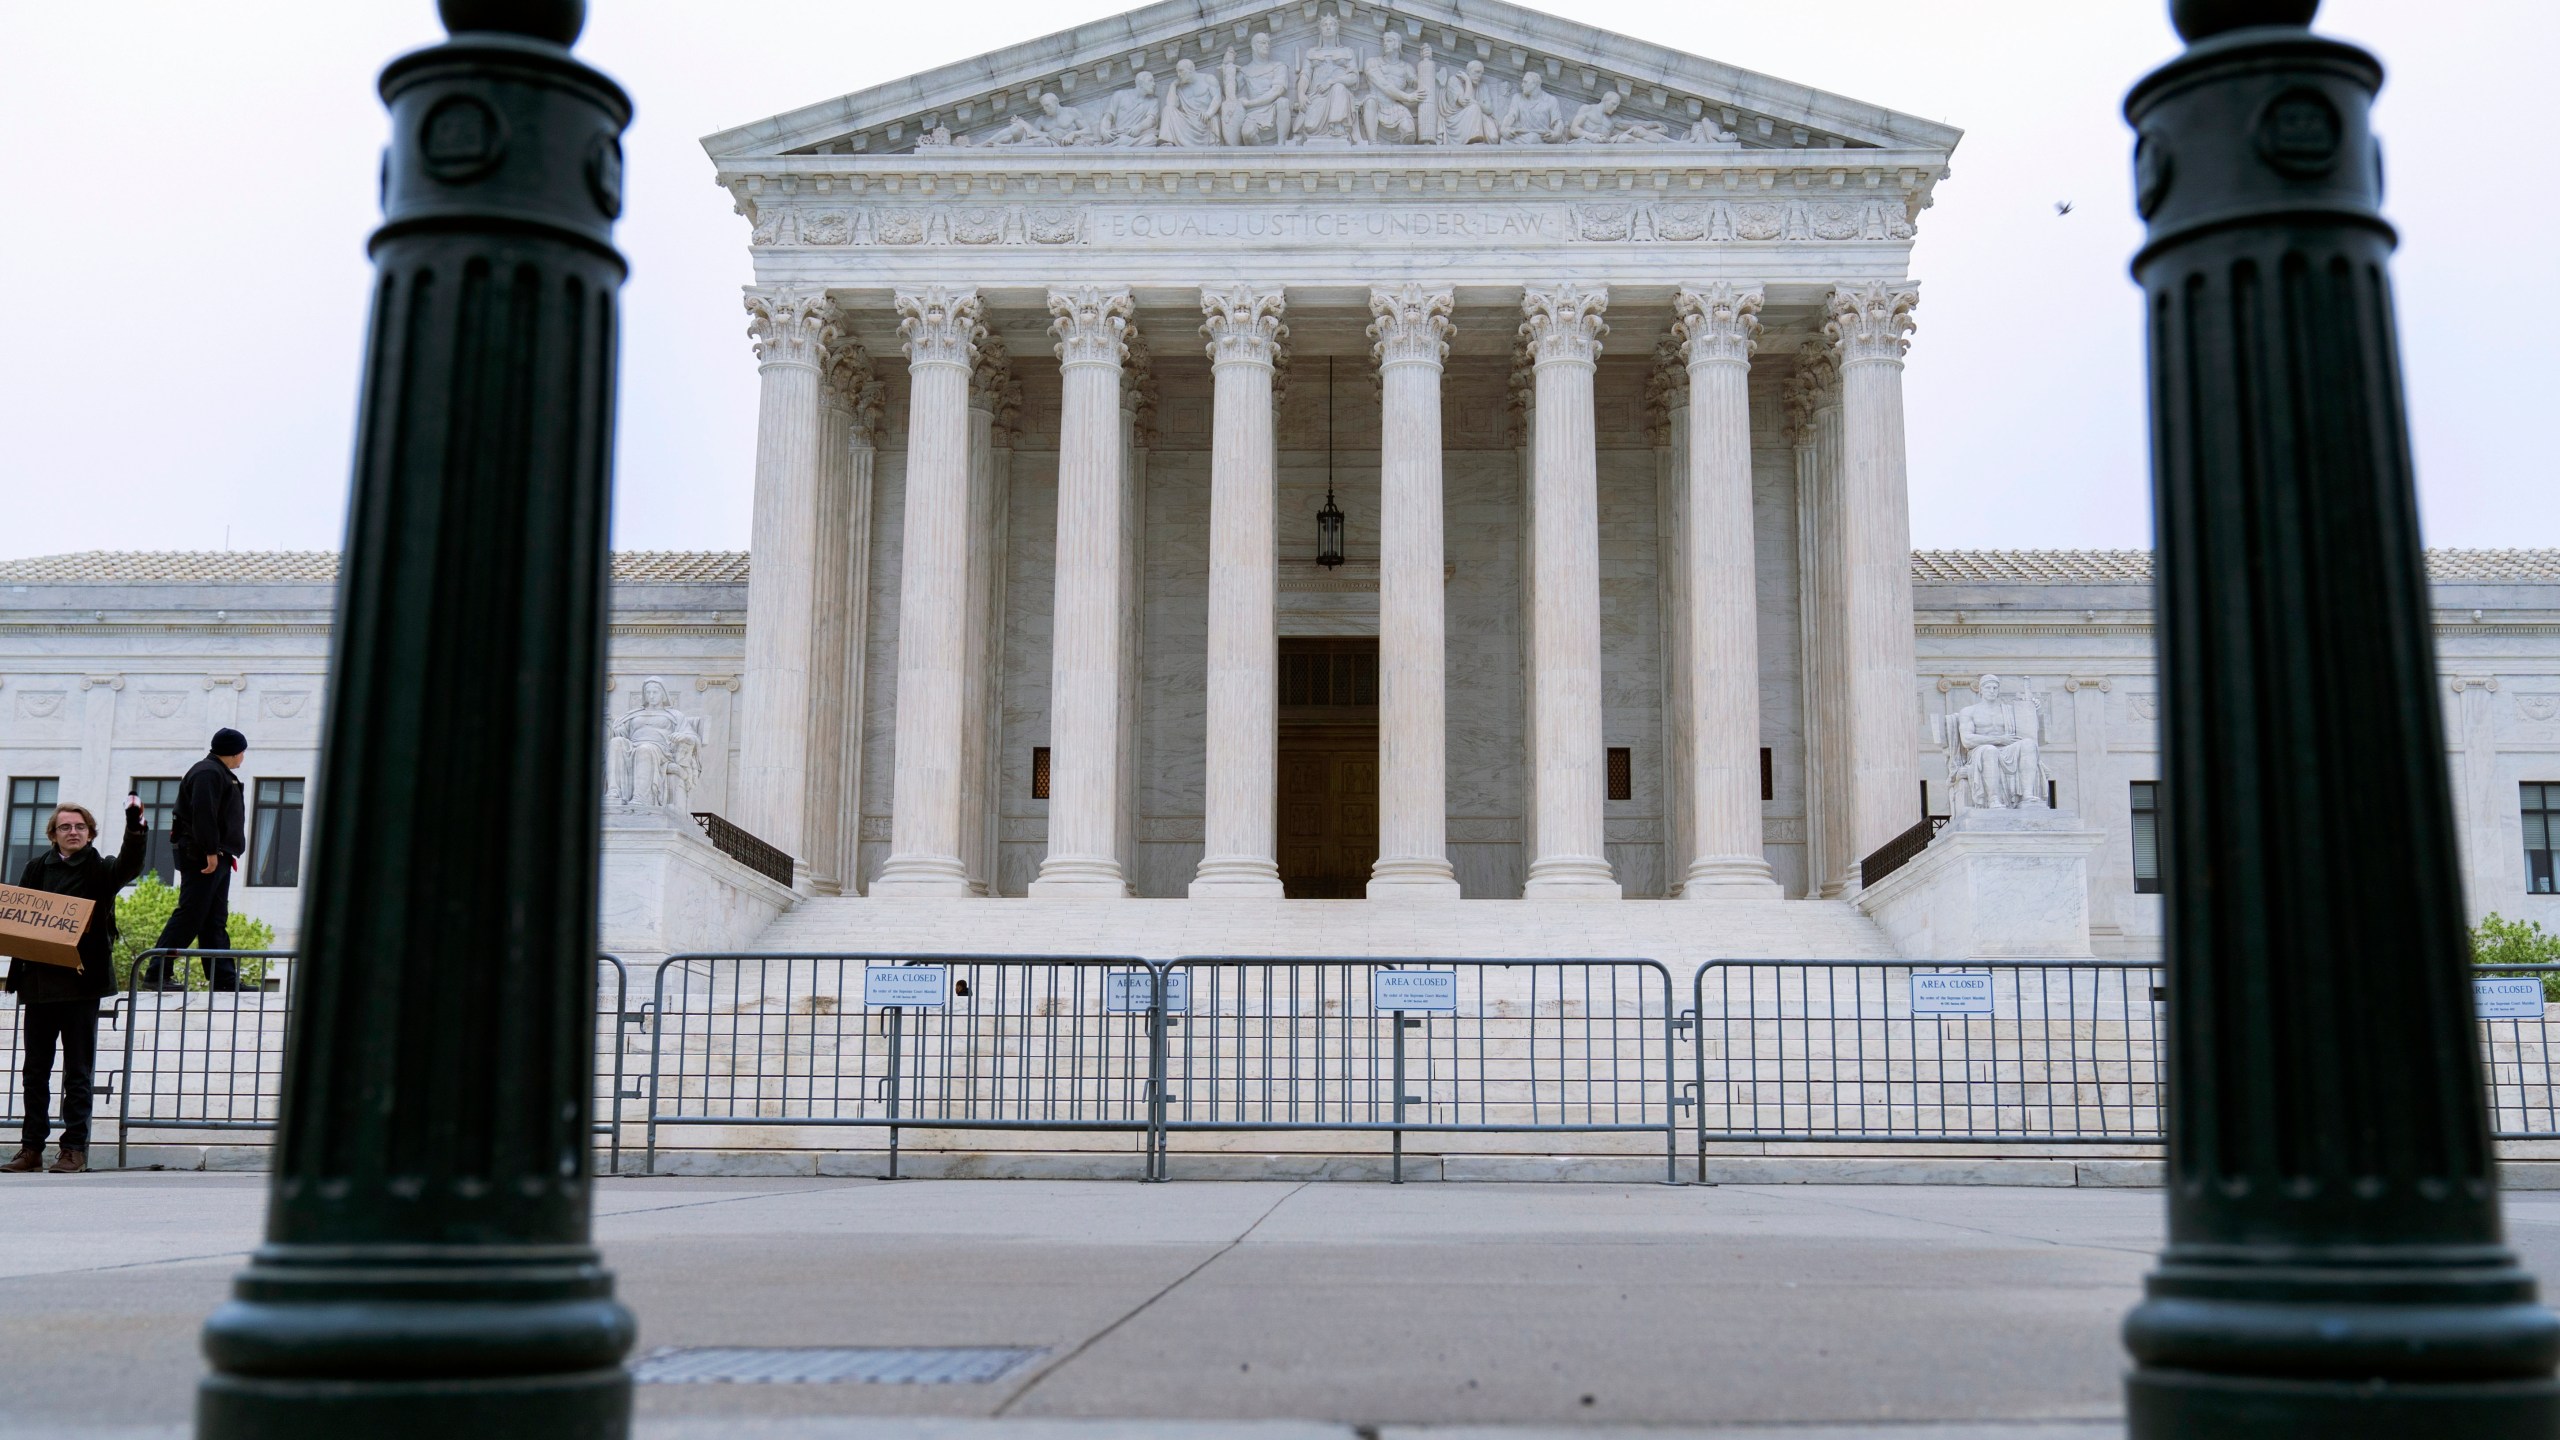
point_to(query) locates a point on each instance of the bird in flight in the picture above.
(2061, 207)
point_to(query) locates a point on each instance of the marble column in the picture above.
(1087, 628)
(1667, 412)
(1240, 807)
(1137, 429)
(1719, 326)
(941, 330)
(861, 456)
(1410, 342)
(994, 404)
(1813, 419)
(790, 329)
(847, 374)
(1869, 324)
(1522, 399)
(1571, 859)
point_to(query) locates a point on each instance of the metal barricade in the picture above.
(2044, 1052)
(1258, 1043)
(2516, 1049)
(999, 1042)
(203, 1059)
(613, 1016)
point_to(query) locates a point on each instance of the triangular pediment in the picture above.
(1352, 90)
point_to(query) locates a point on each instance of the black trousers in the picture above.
(75, 1024)
(202, 920)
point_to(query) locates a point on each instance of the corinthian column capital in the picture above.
(1719, 324)
(1564, 323)
(1412, 325)
(1091, 324)
(940, 326)
(789, 327)
(1243, 324)
(1871, 322)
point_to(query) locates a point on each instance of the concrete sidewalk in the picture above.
(1825, 1311)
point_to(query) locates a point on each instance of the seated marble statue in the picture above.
(1057, 124)
(2002, 766)
(1535, 117)
(1194, 108)
(1398, 102)
(1599, 124)
(1134, 116)
(1257, 111)
(653, 754)
(1466, 117)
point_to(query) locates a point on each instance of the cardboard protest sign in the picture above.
(40, 926)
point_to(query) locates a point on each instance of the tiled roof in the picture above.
(729, 567)
(2133, 567)
(320, 567)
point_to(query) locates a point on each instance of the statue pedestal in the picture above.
(1994, 885)
(665, 890)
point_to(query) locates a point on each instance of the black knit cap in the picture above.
(227, 741)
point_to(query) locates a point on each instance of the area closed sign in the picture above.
(1951, 994)
(1431, 992)
(910, 987)
(2508, 997)
(1131, 992)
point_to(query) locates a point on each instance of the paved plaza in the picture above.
(1346, 1309)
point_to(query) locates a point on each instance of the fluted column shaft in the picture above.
(791, 329)
(1869, 325)
(991, 409)
(861, 459)
(1410, 332)
(1087, 626)
(1667, 401)
(1813, 401)
(1564, 328)
(832, 639)
(941, 331)
(1718, 326)
(1241, 803)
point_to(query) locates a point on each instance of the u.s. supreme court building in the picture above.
(1325, 478)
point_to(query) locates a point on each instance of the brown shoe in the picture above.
(26, 1162)
(68, 1162)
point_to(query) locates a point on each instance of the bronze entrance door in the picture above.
(1328, 767)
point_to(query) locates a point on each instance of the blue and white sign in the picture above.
(1961, 994)
(1429, 992)
(1129, 992)
(910, 987)
(2509, 997)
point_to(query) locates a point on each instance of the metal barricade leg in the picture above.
(1396, 1171)
(897, 1033)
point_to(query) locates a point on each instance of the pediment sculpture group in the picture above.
(1333, 96)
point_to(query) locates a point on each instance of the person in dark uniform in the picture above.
(206, 840)
(60, 1003)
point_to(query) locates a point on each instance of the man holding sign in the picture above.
(60, 996)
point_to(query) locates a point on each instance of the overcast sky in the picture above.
(183, 280)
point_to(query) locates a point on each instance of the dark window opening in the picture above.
(2053, 794)
(1769, 775)
(159, 797)
(1039, 772)
(275, 835)
(1329, 677)
(2541, 838)
(2146, 837)
(1622, 772)
(31, 800)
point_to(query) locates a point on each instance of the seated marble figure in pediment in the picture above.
(1223, 75)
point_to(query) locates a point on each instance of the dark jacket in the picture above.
(95, 878)
(211, 819)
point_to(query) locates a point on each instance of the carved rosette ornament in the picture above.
(1412, 325)
(1564, 324)
(1871, 322)
(940, 326)
(1719, 324)
(790, 327)
(1243, 324)
(1810, 388)
(1091, 324)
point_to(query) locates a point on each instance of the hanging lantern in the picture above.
(1328, 519)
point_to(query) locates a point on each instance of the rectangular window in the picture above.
(1039, 772)
(2541, 838)
(159, 797)
(2146, 837)
(1622, 772)
(30, 806)
(1769, 777)
(275, 835)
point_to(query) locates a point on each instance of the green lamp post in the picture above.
(428, 1268)
(2335, 1266)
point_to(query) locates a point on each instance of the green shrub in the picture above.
(144, 909)
(2500, 941)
